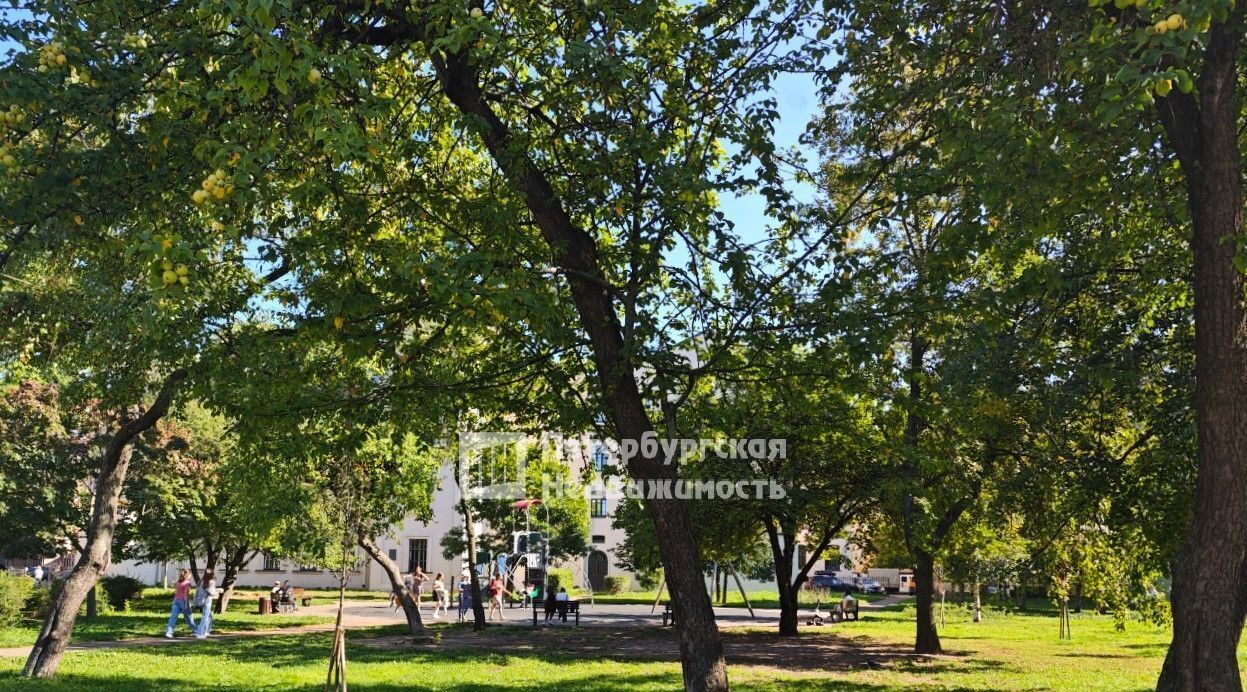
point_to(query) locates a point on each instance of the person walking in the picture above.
(442, 601)
(496, 591)
(205, 594)
(418, 578)
(181, 603)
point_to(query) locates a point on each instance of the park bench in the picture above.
(844, 614)
(561, 609)
(836, 613)
(668, 615)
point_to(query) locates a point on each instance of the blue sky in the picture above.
(797, 100)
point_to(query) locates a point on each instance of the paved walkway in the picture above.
(359, 614)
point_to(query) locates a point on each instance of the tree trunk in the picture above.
(415, 624)
(194, 564)
(978, 600)
(234, 561)
(474, 583)
(58, 625)
(92, 602)
(928, 640)
(1210, 569)
(788, 592)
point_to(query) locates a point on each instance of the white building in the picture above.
(413, 542)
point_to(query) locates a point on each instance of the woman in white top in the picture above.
(205, 594)
(440, 596)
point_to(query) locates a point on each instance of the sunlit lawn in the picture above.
(147, 619)
(1005, 652)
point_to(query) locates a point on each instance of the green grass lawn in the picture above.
(147, 618)
(1008, 651)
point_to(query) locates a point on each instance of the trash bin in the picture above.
(266, 605)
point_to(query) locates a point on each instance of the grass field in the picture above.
(147, 618)
(1008, 651)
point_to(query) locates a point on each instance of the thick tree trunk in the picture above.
(1210, 570)
(788, 592)
(58, 625)
(234, 560)
(415, 624)
(928, 640)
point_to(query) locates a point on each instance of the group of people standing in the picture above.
(415, 583)
(206, 592)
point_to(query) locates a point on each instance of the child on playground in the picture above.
(181, 603)
(442, 601)
(496, 591)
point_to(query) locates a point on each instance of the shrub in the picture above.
(618, 583)
(561, 576)
(122, 591)
(35, 606)
(40, 600)
(14, 590)
(649, 580)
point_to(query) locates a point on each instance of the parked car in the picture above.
(869, 585)
(825, 579)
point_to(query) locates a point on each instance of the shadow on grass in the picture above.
(299, 661)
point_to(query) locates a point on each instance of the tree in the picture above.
(1111, 84)
(186, 502)
(784, 392)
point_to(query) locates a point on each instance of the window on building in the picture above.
(308, 568)
(600, 458)
(597, 507)
(800, 556)
(270, 563)
(394, 554)
(599, 539)
(834, 560)
(417, 554)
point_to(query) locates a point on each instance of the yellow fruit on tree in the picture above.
(1163, 87)
(181, 270)
(313, 76)
(477, 13)
(218, 192)
(183, 280)
(166, 265)
(168, 276)
(338, 321)
(1174, 22)
(165, 244)
(199, 197)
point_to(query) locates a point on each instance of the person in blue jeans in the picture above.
(181, 603)
(205, 594)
